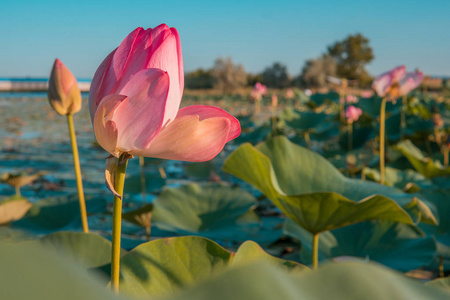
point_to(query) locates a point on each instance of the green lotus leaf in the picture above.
(344, 281)
(395, 245)
(397, 178)
(153, 183)
(284, 172)
(440, 283)
(209, 208)
(424, 165)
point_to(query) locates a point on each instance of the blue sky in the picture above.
(253, 33)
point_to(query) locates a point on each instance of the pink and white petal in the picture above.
(411, 81)
(207, 112)
(189, 139)
(180, 59)
(105, 128)
(383, 83)
(100, 84)
(140, 117)
(164, 50)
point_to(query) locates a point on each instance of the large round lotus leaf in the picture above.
(201, 170)
(61, 213)
(305, 120)
(251, 251)
(162, 266)
(13, 209)
(141, 216)
(153, 183)
(346, 281)
(282, 170)
(29, 272)
(424, 165)
(194, 208)
(395, 245)
(87, 249)
(360, 137)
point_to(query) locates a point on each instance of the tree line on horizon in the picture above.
(344, 59)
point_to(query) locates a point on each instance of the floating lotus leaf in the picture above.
(440, 283)
(319, 99)
(360, 137)
(284, 172)
(424, 165)
(62, 213)
(13, 209)
(153, 183)
(395, 245)
(372, 106)
(212, 210)
(201, 170)
(397, 178)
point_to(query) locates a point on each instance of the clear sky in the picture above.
(254, 33)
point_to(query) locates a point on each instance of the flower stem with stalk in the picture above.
(403, 117)
(382, 138)
(315, 251)
(117, 223)
(350, 135)
(76, 164)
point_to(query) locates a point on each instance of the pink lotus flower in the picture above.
(135, 97)
(349, 99)
(396, 82)
(352, 113)
(289, 94)
(260, 88)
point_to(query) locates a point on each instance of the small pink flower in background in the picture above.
(260, 88)
(308, 92)
(63, 92)
(352, 113)
(289, 94)
(396, 82)
(349, 99)
(135, 97)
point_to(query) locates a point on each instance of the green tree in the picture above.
(227, 76)
(276, 76)
(351, 56)
(315, 71)
(199, 79)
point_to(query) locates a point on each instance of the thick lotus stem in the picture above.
(76, 164)
(382, 138)
(117, 224)
(315, 251)
(403, 117)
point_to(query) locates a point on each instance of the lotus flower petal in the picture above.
(410, 82)
(383, 83)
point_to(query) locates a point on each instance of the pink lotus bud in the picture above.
(261, 88)
(135, 98)
(351, 99)
(366, 94)
(63, 92)
(352, 113)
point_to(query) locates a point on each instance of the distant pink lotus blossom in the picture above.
(135, 97)
(349, 99)
(367, 94)
(289, 94)
(352, 113)
(396, 82)
(260, 88)
(274, 100)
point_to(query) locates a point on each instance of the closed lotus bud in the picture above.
(63, 92)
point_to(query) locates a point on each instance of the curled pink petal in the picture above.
(410, 82)
(140, 117)
(207, 112)
(188, 138)
(105, 128)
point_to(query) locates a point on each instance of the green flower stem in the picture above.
(350, 136)
(76, 164)
(446, 156)
(382, 138)
(117, 225)
(403, 117)
(315, 251)
(143, 186)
